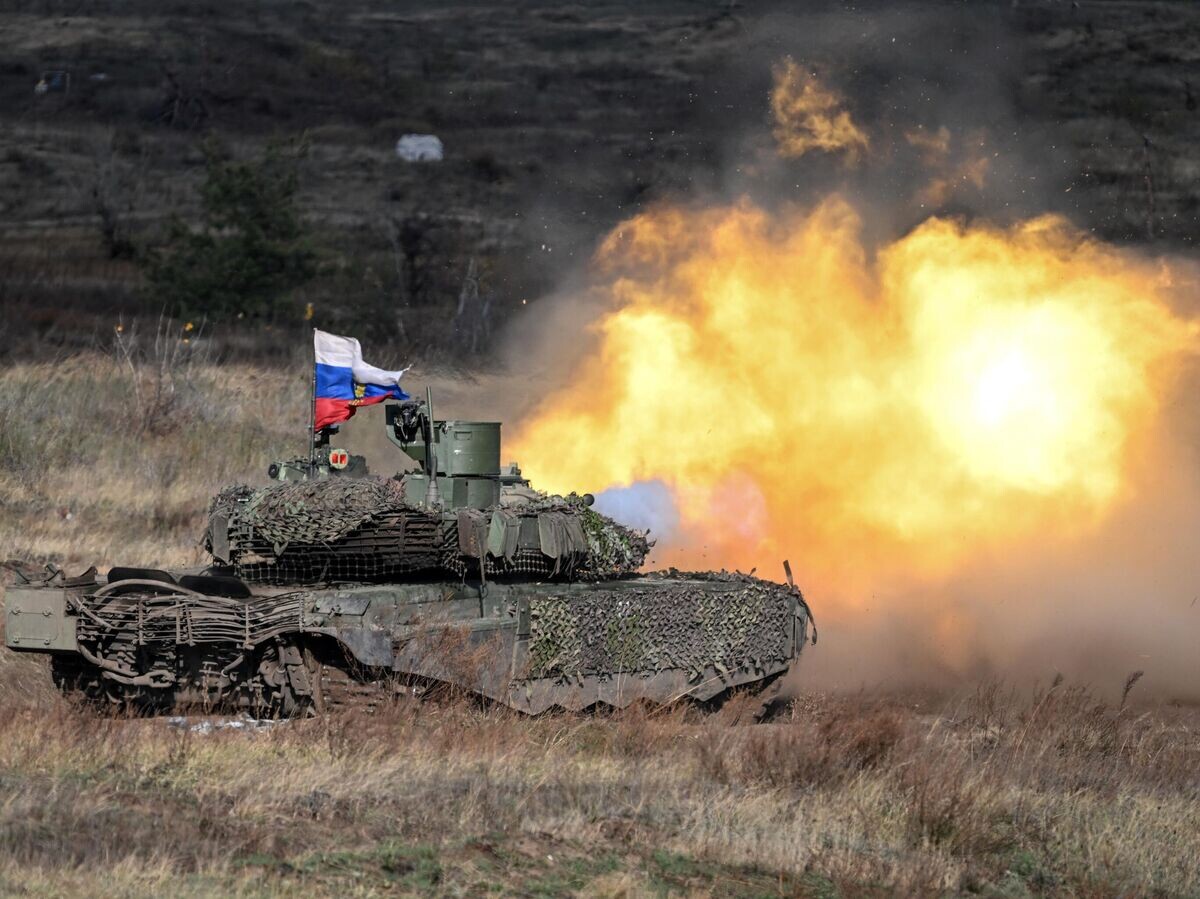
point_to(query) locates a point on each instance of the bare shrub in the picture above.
(642, 731)
(829, 750)
(1066, 738)
(951, 802)
(163, 371)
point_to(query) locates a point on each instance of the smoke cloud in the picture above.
(808, 116)
(645, 505)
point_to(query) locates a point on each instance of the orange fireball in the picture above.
(959, 390)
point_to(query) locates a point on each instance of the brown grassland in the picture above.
(990, 792)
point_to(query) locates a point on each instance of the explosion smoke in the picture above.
(937, 154)
(808, 116)
(954, 429)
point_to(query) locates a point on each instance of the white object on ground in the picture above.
(208, 725)
(420, 148)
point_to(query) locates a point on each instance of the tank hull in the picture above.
(149, 640)
(161, 640)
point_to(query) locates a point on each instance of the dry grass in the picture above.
(96, 472)
(993, 793)
(1001, 794)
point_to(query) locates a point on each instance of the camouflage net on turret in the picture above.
(338, 529)
(727, 621)
(613, 549)
(549, 537)
(311, 511)
(362, 529)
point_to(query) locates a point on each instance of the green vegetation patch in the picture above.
(677, 874)
(388, 864)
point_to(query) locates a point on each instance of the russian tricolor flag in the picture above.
(344, 382)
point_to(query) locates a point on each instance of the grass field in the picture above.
(990, 792)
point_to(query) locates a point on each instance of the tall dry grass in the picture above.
(112, 458)
(994, 793)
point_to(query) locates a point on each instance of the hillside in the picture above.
(557, 121)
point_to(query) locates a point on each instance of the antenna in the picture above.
(433, 497)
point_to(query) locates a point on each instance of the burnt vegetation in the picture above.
(432, 256)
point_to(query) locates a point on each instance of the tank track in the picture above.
(343, 691)
(332, 690)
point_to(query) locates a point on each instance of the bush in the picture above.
(249, 253)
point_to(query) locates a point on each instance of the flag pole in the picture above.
(312, 420)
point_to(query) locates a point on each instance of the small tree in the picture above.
(249, 252)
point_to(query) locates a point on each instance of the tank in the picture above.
(333, 587)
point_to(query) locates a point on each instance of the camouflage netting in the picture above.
(546, 536)
(613, 548)
(728, 621)
(310, 511)
(362, 529)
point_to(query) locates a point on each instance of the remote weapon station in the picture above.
(332, 587)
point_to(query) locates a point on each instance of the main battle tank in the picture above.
(333, 587)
